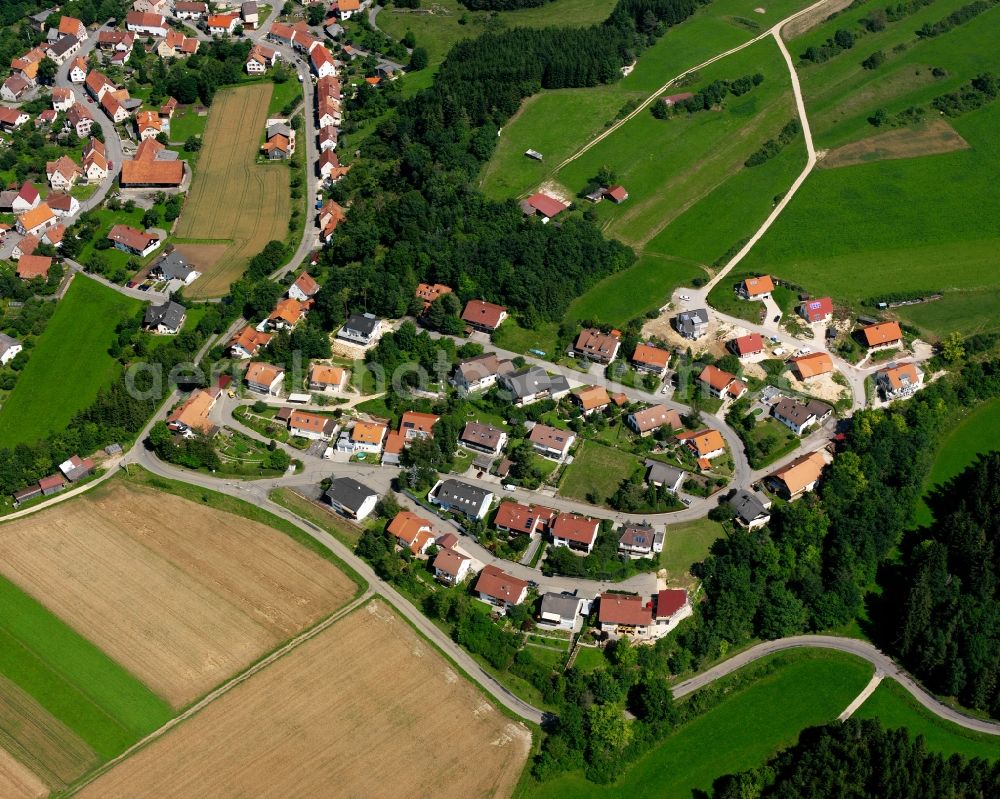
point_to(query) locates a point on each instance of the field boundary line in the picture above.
(222, 690)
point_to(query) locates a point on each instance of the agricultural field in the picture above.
(596, 472)
(181, 607)
(804, 689)
(235, 205)
(391, 718)
(72, 351)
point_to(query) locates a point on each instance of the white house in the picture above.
(451, 567)
(353, 499)
(220, 24)
(575, 532)
(78, 72)
(265, 378)
(363, 329)
(9, 348)
(563, 611)
(312, 426)
(459, 497)
(146, 23)
(502, 590)
(799, 416)
(62, 99)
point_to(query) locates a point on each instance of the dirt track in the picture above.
(364, 709)
(179, 594)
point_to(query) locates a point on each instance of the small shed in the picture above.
(534, 154)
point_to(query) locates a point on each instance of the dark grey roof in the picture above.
(794, 411)
(334, 30)
(565, 606)
(483, 434)
(657, 472)
(7, 200)
(687, 321)
(6, 342)
(748, 506)
(363, 324)
(279, 128)
(535, 380)
(174, 267)
(349, 493)
(456, 493)
(170, 314)
(64, 45)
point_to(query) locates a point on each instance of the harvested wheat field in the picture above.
(179, 594)
(930, 138)
(234, 200)
(37, 751)
(364, 709)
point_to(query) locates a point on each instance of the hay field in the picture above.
(234, 200)
(366, 708)
(17, 782)
(180, 595)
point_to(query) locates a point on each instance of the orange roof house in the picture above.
(417, 425)
(813, 364)
(248, 341)
(483, 315)
(32, 266)
(757, 286)
(704, 443)
(368, 432)
(413, 532)
(883, 334)
(428, 293)
(288, 312)
(322, 376)
(592, 398)
(646, 356)
(148, 169)
(192, 415)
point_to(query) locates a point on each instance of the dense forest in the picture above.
(859, 759)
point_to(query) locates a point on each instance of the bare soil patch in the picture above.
(181, 595)
(205, 256)
(36, 749)
(713, 342)
(807, 22)
(932, 138)
(364, 709)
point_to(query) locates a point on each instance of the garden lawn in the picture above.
(283, 94)
(810, 688)
(589, 658)
(73, 679)
(513, 337)
(186, 123)
(596, 471)
(686, 544)
(69, 365)
(115, 258)
(894, 707)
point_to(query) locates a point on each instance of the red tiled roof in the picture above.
(715, 377)
(653, 356)
(546, 205)
(749, 344)
(32, 266)
(669, 601)
(624, 609)
(758, 285)
(483, 313)
(818, 308)
(884, 333)
(575, 528)
(498, 584)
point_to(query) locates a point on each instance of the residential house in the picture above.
(639, 540)
(798, 477)
(151, 6)
(79, 120)
(670, 607)
(54, 235)
(321, 61)
(351, 498)
(281, 33)
(36, 221)
(591, 399)
(265, 378)
(881, 336)
(752, 509)
(542, 205)
(721, 383)
(70, 26)
(483, 437)
(393, 449)
(495, 587)
(146, 23)
(513, 517)
(533, 384)
(24, 199)
(663, 475)
(899, 380)
(326, 378)
(345, 9)
(481, 372)
(62, 173)
(459, 497)
(249, 14)
(800, 416)
(78, 72)
(23, 249)
(551, 441)
(413, 425)
(328, 136)
(330, 216)
(279, 140)
(222, 24)
(152, 167)
(364, 437)
(818, 310)
(76, 468)
(756, 288)
(189, 10)
(596, 345)
(46, 118)
(363, 329)
(63, 49)
(624, 615)
(165, 319)
(9, 349)
(288, 313)
(482, 315)
(173, 267)
(116, 41)
(706, 444)
(114, 108)
(136, 242)
(15, 88)
(427, 293)
(813, 365)
(191, 417)
(413, 532)
(27, 65)
(12, 118)
(248, 342)
(260, 59)
(312, 426)
(95, 162)
(692, 324)
(578, 533)
(176, 45)
(747, 346)
(648, 358)
(303, 288)
(304, 42)
(451, 567)
(650, 419)
(62, 99)
(97, 85)
(563, 611)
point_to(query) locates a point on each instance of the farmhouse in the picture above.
(70, 26)
(591, 399)
(513, 517)
(191, 417)
(648, 358)
(752, 509)
(575, 532)
(624, 615)
(412, 531)
(542, 205)
(533, 384)
(639, 541)
(25, 248)
(705, 444)
(27, 65)
(563, 611)
(326, 378)
(128, 239)
(79, 120)
(152, 167)
(351, 498)
(663, 475)
(172, 266)
(756, 288)
(598, 346)
(17, 202)
(265, 378)
(721, 383)
(248, 342)
(279, 140)
(653, 418)
(476, 374)
(885, 335)
(451, 567)
(800, 416)
(747, 346)
(177, 45)
(551, 441)
(799, 476)
(899, 380)
(692, 324)
(495, 587)
(249, 14)
(165, 319)
(813, 365)
(458, 497)
(64, 48)
(9, 349)
(483, 437)
(483, 315)
(189, 10)
(345, 8)
(76, 468)
(116, 41)
(36, 221)
(427, 293)
(260, 59)
(146, 24)
(818, 310)
(361, 329)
